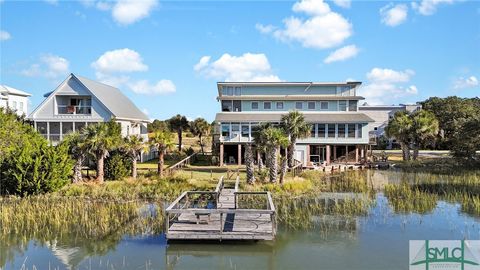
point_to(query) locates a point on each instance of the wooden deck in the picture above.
(188, 220)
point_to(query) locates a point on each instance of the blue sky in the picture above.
(168, 55)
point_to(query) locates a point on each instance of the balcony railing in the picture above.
(66, 109)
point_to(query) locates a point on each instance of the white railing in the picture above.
(66, 109)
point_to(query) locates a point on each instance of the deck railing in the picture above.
(297, 168)
(181, 164)
(188, 203)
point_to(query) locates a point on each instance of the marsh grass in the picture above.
(421, 192)
(95, 225)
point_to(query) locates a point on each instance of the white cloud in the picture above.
(247, 67)
(204, 61)
(121, 60)
(389, 75)
(429, 7)
(311, 7)
(342, 54)
(342, 3)
(412, 89)
(49, 66)
(161, 87)
(386, 86)
(114, 68)
(462, 83)
(130, 11)
(322, 29)
(393, 15)
(4, 35)
(264, 29)
(124, 12)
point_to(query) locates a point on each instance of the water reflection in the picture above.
(354, 224)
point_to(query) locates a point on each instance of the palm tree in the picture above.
(133, 146)
(295, 128)
(200, 127)
(99, 140)
(425, 128)
(283, 167)
(77, 150)
(400, 127)
(260, 143)
(162, 141)
(178, 124)
(249, 163)
(273, 138)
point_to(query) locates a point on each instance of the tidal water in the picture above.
(378, 239)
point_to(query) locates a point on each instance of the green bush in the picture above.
(32, 166)
(117, 166)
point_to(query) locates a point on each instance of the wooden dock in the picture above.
(216, 215)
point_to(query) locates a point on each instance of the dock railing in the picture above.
(190, 202)
(181, 164)
(297, 168)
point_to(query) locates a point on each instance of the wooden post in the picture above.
(308, 155)
(356, 154)
(258, 157)
(221, 154)
(328, 154)
(362, 152)
(239, 156)
(334, 152)
(346, 154)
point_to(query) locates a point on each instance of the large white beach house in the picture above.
(14, 99)
(340, 131)
(78, 102)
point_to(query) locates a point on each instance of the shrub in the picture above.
(117, 166)
(32, 166)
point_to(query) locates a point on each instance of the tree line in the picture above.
(450, 123)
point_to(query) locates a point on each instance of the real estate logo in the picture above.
(444, 254)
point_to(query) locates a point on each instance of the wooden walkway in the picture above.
(215, 215)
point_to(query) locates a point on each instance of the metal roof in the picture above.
(289, 83)
(317, 117)
(12, 91)
(115, 101)
(290, 97)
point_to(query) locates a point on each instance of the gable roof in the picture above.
(115, 101)
(110, 97)
(12, 91)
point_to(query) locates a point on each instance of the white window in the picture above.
(267, 105)
(311, 105)
(298, 105)
(255, 105)
(279, 105)
(21, 106)
(14, 105)
(342, 105)
(323, 105)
